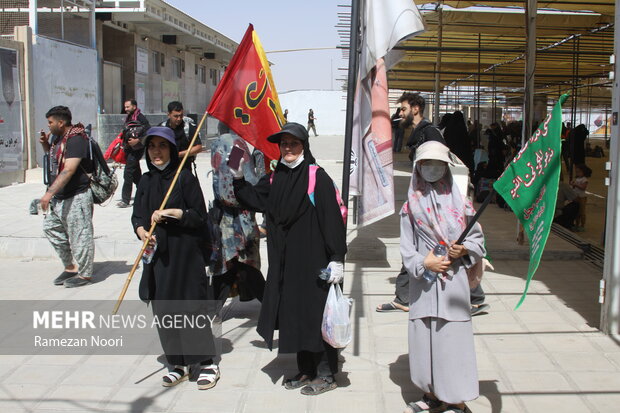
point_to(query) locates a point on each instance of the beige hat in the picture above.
(433, 150)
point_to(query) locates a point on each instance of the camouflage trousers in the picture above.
(69, 228)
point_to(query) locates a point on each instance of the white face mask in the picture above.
(295, 163)
(162, 167)
(433, 171)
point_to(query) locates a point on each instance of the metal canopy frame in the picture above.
(486, 48)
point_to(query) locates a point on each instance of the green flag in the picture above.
(530, 185)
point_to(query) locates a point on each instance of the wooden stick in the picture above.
(154, 224)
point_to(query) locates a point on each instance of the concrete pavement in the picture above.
(548, 355)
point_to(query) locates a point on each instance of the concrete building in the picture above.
(92, 56)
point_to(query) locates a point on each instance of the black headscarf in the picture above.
(160, 180)
(288, 198)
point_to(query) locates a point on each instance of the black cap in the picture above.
(290, 128)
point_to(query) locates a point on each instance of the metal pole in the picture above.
(574, 107)
(32, 17)
(438, 66)
(494, 105)
(479, 126)
(62, 20)
(351, 83)
(611, 269)
(531, 8)
(93, 26)
(530, 66)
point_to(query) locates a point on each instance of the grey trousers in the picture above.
(402, 290)
(69, 228)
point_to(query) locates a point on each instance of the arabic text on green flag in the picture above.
(530, 185)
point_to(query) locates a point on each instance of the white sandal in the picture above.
(175, 376)
(209, 375)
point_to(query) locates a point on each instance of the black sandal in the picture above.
(454, 409)
(424, 405)
(319, 385)
(299, 380)
(388, 307)
(477, 309)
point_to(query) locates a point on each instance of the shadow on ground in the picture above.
(103, 270)
(399, 374)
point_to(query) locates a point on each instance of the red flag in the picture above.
(246, 98)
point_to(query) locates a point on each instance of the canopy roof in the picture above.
(486, 46)
(596, 6)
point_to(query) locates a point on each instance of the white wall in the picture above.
(63, 74)
(328, 105)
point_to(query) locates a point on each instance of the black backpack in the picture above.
(133, 129)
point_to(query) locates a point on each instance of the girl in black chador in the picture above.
(175, 280)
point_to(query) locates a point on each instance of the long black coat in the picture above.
(294, 295)
(177, 271)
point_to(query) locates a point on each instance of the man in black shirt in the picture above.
(184, 129)
(412, 114)
(68, 200)
(136, 126)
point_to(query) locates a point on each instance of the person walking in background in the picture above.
(136, 126)
(496, 150)
(397, 131)
(69, 223)
(566, 206)
(304, 238)
(457, 139)
(285, 114)
(238, 258)
(579, 185)
(311, 119)
(577, 144)
(565, 147)
(442, 357)
(176, 271)
(184, 129)
(412, 114)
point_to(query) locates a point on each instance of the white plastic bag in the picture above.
(336, 325)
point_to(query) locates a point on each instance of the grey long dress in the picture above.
(442, 356)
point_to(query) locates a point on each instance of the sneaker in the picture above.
(77, 282)
(122, 204)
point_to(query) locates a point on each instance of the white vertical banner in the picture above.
(385, 24)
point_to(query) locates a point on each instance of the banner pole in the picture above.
(476, 217)
(154, 224)
(351, 85)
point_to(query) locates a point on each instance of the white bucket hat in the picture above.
(433, 150)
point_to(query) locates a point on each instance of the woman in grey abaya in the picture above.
(442, 357)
